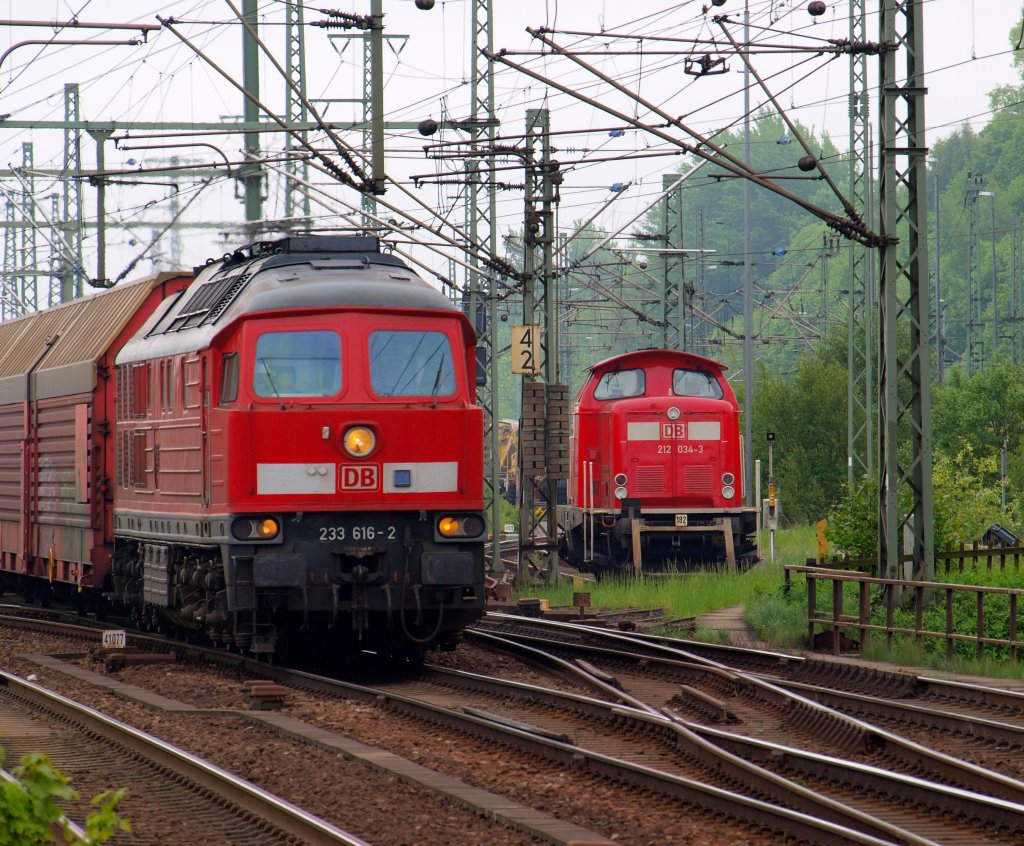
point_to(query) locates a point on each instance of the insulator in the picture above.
(617, 133)
(816, 7)
(427, 127)
(426, 5)
(717, 2)
(807, 163)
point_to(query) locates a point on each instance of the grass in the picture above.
(909, 654)
(691, 594)
(778, 619)
(680, 594)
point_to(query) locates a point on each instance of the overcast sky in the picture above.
(967, 54)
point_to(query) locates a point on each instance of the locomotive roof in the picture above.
(73, 332)
(303, 272)
(639, 358)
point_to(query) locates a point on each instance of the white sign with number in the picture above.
(526, 350)
(115, 639)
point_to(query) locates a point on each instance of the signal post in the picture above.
(544, 418)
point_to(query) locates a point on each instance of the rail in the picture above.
(891, 591)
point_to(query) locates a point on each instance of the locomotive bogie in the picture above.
(358, 580)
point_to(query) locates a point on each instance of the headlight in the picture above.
(359, 441)
(620, 479)
(728, 492)
(728, 478)
(621, 493)
(255, 528)
(460, 526)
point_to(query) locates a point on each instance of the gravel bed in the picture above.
(379, 808)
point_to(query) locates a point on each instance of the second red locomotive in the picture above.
(284, 452)
(656, 467)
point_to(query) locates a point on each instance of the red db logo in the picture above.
(361, 477)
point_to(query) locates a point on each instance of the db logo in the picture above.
(362, 477)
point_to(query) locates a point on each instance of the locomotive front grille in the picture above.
(697, 480)
(650, 481)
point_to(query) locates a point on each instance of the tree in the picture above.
(807, 412)
(981, 412)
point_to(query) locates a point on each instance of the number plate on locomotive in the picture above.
(682, 519)
(329, 534)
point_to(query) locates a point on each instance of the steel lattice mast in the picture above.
(674, 299)
(28, 261)
(68, 283)
(975, 333)
(860, 339)
(904, 378)
(482, 227)
(296, 201)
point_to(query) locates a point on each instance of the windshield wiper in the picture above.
(270, 379)
(437, 380)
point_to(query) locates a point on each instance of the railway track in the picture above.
(974, 722)
(173, 795)
(495, 818)
(769, 720)
(667, 729)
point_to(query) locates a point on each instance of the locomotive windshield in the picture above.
(696, 383)
(297, 364)
(621, 383)
(411, 364)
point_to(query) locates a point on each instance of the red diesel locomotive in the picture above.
(283, 452)
(656, 467)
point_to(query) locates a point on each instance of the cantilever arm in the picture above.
(104, 42)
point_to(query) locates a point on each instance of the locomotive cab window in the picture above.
(696, 383)
(620, 384)
(229, 378)
(411, 364)
(297, 364)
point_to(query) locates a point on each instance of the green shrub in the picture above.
(965, 506)
(29, 810)
(853, 524)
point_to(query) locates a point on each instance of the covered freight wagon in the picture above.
(57, 451)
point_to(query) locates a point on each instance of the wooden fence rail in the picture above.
(976, 552)
(891, 589)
